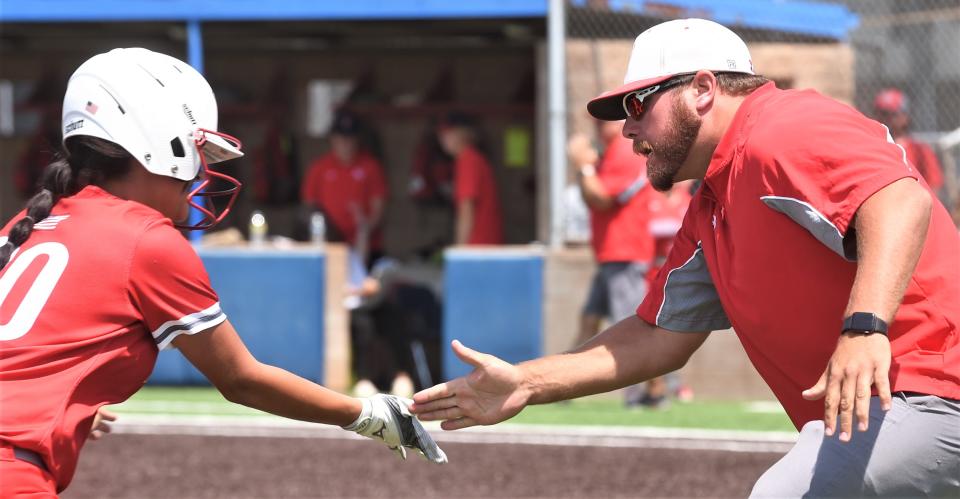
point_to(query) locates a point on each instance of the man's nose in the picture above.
(630, 128)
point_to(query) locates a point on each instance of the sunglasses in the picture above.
(633, 102)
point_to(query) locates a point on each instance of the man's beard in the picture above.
(666, 156)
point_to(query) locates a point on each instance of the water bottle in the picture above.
(318, 228)
(258, 228)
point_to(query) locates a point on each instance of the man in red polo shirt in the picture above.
(892, 109)
(347, 185)
(474, 188)
(616, 191)
(812, 237)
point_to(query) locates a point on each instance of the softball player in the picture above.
(812, 236)
(95, 278)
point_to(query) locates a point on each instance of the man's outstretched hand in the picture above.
(492, 393)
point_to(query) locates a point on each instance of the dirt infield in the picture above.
(147, 466)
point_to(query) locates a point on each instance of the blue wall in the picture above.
(493, 302)
(275, 300)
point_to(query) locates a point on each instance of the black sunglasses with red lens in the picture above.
(633, 101)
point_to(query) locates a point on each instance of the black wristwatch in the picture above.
(864, 322)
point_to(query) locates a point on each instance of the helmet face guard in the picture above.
(221, 185)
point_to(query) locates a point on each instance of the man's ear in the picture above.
(706, 89)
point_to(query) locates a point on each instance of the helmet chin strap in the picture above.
(201, 199)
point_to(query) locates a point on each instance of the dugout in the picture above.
(279, 69)
(398, 65)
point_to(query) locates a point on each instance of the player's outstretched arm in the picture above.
(629, 352)
(223, 358)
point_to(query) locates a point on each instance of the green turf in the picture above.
(697, 414)
(602, 411)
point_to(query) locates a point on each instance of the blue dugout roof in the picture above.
(261, 10)
(797, 16)
(831, 20)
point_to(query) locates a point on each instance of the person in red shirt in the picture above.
(95, 278)
(346, 184)
(618, 196)
(474, 187)
(812, 237)
(667, 210)
(892, 109)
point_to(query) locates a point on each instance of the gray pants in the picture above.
(617, 290)
(912, 450)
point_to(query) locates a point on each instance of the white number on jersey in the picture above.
(40, 289)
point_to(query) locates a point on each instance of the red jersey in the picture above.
(344, 191)
(666, 217)
(621, 234)
(923, 157)
(473, 181)
(762, 249)
(84, 305)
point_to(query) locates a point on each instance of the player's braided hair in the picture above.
(87, 160)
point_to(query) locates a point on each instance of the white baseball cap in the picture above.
(681, 46)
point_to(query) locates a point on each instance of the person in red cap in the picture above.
(811, 236)
(892, 109)
(474, 187)
(346, 184)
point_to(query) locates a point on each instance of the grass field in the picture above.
(592, 411)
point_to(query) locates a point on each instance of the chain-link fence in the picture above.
(850, 50)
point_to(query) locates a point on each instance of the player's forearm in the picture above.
(594, 194)
(376, 212)
(891, 227)
(274, 390)
(464, 222)
(629, 352)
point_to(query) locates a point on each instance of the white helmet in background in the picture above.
(160, 110)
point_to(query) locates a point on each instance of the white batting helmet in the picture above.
(158, 108)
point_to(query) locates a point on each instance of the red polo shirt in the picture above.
(473, 181)
(341, 190)
(622, 233)
(761, 249)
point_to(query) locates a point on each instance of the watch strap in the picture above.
(864, 322)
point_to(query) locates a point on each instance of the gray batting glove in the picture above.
(387, 419)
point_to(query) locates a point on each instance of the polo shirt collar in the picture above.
(733, 139)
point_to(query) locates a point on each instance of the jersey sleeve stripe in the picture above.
(690, 300)
(190, 324)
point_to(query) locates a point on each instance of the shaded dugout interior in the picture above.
(400, 76)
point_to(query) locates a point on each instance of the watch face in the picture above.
(865, 322)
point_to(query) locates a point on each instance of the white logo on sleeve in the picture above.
(50, 222)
